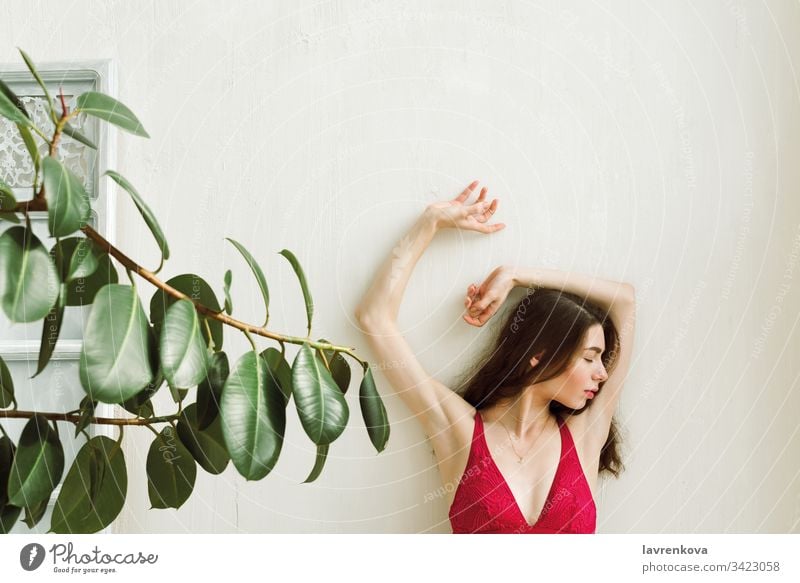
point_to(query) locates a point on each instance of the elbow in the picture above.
(629, 293)
(364, 318)
(359, 315)
(370, 320)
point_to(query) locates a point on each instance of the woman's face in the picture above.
(578, 384)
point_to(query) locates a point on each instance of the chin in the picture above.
(576, 405)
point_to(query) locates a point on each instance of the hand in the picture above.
(457, 213)
(482, 302)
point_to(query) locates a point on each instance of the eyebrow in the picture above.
(595, 348)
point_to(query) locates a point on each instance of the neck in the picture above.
(525, 415)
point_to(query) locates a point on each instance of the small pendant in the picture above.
(519, 461)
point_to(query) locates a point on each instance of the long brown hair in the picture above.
(551, 325)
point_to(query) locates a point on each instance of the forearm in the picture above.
(385, 295)
(605, 293)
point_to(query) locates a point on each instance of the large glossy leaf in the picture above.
(253, 417)
(144, 210)
(196, 288)
(140, 403)
(35, 513)
(340, 370)
(42, 84)
(38, 464)
(7, 202)
(209, 392)
(171, 471)
(28, 278)
(6, 385)
(114, 362)
(94, 490)
(258, 273)
(319, 463)
(78, 136)
(111, 110)
(75, 258)
(8, 512)
(11, 107)
(207, 446)
(51, 328)
(68, 204)
(184, 356)
(6, 91)
(8, 517)
(7, 450)
(81, 291)
(280, 370)
(373, 412)
(30, 145)
(320, 404)
(303, 285)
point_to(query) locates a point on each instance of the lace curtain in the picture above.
(16, 166)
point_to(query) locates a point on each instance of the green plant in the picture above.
(237, 416)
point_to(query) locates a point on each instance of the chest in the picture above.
(530, 486)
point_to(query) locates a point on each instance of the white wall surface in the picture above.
(652, 142)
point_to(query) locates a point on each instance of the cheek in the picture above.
(579, 374)
(575, 375)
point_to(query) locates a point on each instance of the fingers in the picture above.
(465, 194)
(494, 228)
(487, 215)
(482, 210)
(481, 318)
(487, 210)
(479, 306)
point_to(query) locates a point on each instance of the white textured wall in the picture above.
(651, 142)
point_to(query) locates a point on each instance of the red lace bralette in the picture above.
(484, 503)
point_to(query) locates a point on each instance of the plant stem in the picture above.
(16, 414)
(129, 264)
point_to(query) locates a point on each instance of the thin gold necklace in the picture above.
(511, 440)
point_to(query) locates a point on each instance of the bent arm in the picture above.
(618, 300)
(434, 404)
(608, 295)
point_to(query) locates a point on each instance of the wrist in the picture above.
(529, 277)
(431, 220)
(513, 275)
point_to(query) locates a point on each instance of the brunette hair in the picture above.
(551, 325)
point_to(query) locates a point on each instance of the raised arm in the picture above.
(618, 300)
(434, 404)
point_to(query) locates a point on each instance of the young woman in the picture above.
(520, 444)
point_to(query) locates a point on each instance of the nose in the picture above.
(601, 374)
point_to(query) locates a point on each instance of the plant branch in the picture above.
(51, 416)
(129, 264)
